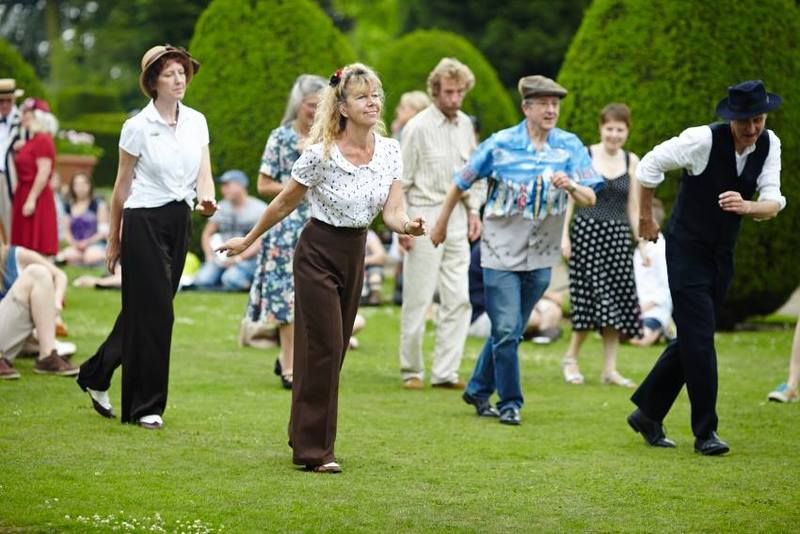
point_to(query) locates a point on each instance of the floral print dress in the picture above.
(271, 301)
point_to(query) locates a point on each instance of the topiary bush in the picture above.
(671, 61)
(75, 101)
(12, 65)
(405, 65)
(251, 53)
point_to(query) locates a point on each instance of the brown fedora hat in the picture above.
(8, 87)
(159, 51)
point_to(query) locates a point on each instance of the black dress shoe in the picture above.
(277, 369)
(651, 431)
(510, 416)
(482, 406)
(711, 446)
(102, 410)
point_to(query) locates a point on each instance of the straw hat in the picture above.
(152, 55)
(8, 87)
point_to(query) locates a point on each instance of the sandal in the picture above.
(569, 367)
(330, 468)
(615, 379)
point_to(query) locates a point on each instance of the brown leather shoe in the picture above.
(7, 371)
(458, 385)
(54, 365)
(413, 383)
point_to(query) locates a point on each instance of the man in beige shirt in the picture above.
(437, 142)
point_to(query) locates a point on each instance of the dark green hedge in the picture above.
(672, 61)
(405, 65)
(12, 65)
(251, 53)
(75, 101)
(106, 128)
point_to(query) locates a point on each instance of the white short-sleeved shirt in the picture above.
(347, 195)
(168, 160)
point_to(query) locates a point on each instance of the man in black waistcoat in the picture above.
(724, 164)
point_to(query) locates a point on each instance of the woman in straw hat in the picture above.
(350, 173)
(165, 148)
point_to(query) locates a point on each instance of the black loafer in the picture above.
(711, 446)
(482, 406)
(510, 416)
(651, 431)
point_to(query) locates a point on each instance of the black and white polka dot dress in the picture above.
(601, 282)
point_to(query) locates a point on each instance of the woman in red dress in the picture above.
(33, 220)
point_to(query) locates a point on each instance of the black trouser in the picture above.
(699, 276)
(328, 273)
(154, 245)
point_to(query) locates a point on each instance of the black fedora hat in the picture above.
(746, 100)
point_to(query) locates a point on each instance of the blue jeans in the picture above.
(237, 277)
(510, 298)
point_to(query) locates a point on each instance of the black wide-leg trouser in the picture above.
(328, 275)
(154, 245)
(699, 277)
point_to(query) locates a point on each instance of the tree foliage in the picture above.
(12, 65)
(671, 61)
(405, 65)
(518, 37)
(251, 53)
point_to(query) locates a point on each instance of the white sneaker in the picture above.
(783, 394)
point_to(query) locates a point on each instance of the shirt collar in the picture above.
(344, 164)
(151, 113)
(441, 118)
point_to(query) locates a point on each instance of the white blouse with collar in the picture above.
(168, 160)
(347, 195)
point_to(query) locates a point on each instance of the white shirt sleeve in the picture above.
(307, 170)
(203, 133)
(768, 183)
(690, 151)
(132, 137)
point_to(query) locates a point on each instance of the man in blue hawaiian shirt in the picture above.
(532, 168)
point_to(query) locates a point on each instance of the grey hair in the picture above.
(304, 86)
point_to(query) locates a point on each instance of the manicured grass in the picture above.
(414, 461)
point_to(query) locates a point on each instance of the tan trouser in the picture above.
(425, 268)
(16, 324)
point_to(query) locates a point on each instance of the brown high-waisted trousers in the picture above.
(328, 274)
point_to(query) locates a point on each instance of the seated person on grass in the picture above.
(31, 296)
(236, 214)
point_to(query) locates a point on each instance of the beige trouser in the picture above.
(16, 324)
(424, 268)
(5, 205)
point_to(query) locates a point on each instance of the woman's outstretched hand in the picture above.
(233, 246)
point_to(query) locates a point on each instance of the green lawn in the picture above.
(413, 461)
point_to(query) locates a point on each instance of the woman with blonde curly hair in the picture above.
(351, 172)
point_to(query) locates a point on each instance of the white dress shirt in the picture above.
(347, 195)
(168, 159)
(691, 150)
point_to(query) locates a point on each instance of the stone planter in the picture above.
(68, 165)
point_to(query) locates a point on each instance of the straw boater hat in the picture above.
(152, 55)
(8, 87)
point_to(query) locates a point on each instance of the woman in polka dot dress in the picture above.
(599, 248)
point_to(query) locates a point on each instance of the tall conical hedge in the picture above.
(405, 65)
(672, 61)
(251, 53)
(12, 65)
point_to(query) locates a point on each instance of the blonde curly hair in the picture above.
(329, 122)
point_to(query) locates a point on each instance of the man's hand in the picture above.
(648, 229)
(732, 201)
(473, 226)
(562, 181)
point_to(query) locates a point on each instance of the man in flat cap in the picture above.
(9, 130)
(725, 165)
(532, 168)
